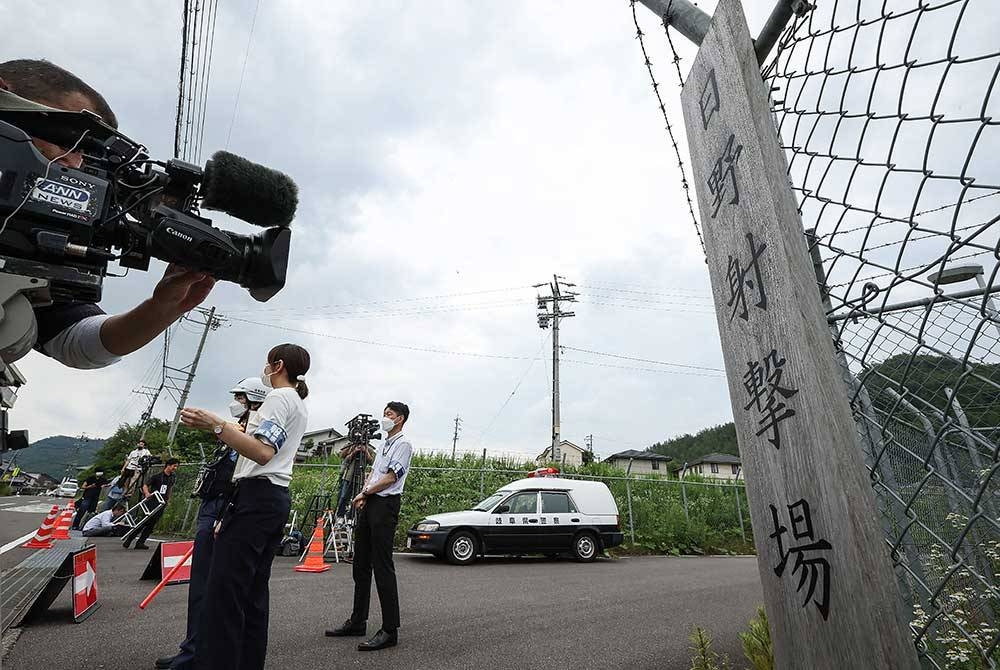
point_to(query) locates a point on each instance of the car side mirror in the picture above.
(503, 509)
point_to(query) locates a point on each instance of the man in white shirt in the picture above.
(105, 524)
(132, 466)
(379, 503)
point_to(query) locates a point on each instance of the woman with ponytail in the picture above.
(234, 618)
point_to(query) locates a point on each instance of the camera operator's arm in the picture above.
(178, 292)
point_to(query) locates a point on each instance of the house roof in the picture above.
(716, 458)
(328, 433)
(564, 443)
(639, 456)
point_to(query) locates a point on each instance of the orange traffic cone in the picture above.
(314, 557)
(43, 536)
(64, 523)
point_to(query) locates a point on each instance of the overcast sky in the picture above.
(466, 150)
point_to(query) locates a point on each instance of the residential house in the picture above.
(569, 454)
(320, 443)
(716, 466)
(642, 462)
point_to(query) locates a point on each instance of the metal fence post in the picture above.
(628, 495)
(739, 512)
(482, 474)
(684, 497)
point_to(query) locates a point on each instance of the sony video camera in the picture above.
(59, 227)
(362, 429)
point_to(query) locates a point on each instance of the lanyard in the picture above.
(389, 445)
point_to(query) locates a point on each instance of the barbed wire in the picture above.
(666, 118)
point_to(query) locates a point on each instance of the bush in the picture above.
(439, 484)
(757, 642)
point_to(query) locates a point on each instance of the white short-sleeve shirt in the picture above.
(392, 455)
(279, 422)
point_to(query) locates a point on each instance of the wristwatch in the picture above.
(218, 429)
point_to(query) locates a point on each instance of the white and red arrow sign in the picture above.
(171, 554)
(84, 582)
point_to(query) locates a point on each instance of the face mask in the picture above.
(237, 409)
(388, 424)
(265, 378)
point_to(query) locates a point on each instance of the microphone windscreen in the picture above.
(248, 191)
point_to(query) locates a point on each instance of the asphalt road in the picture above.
(501, 613)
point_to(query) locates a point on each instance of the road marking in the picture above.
(10, 545)
(36, 508)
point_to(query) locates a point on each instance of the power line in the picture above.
(647, 308)
(380, 344)
(243, 74)
(517, 386)
(644, 360)
(254, 309)
(428, 309)
(659, 370)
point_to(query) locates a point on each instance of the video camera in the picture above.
(147, 462)
(59, 227)
(362, 429)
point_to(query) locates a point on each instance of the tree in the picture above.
(111, 456)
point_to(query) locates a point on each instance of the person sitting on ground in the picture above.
(106, 523)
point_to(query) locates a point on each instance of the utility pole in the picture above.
(556, 297)
(589, 441)
(211, 323)
(454, 437)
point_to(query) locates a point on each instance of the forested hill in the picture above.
(687, 448)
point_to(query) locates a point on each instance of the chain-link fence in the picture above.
(886, 111)
(657, 515)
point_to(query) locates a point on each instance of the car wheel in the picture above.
(461, 548)
(585, 547)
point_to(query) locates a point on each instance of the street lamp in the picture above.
(961, 273)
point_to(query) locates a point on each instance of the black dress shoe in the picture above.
(164, 662)
(348, 629)
(380, 640)
(141, 546)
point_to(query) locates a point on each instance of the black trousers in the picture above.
(149, 523)
(201, 561)
(373, 541)
(232, 631)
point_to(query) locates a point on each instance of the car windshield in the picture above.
(488, 504)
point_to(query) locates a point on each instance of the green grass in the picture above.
(657, 504)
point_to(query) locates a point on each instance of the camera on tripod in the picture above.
(147, 462)
(60, 227)
(362, 429)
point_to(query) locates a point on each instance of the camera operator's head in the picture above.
(170, 467)
(394, 416)
(287, 365)
(141, 444)
(50, 85)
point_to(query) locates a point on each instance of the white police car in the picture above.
(538, 515)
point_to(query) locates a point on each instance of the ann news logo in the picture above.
(61, 195)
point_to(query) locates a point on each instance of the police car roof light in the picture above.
(544, 472)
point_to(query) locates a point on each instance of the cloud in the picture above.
(447, 152)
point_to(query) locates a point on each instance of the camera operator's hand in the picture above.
(178, 292)
(182, 290)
